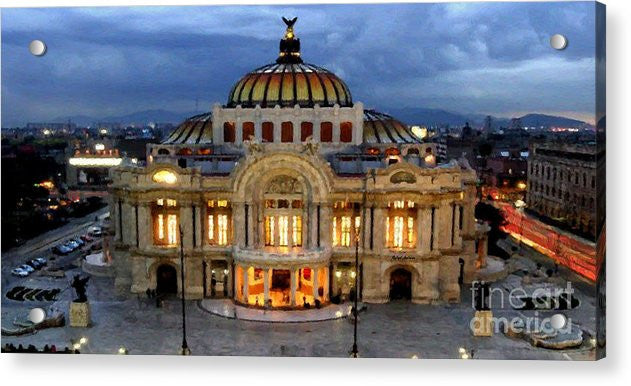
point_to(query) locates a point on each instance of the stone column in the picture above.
(379, 236)
(266, 276)
(315, 283)
(325, 224)
(238, 223)
(296, 126)
(424, 224)
(228, 281)
(325, 285)
(245, 284)
(145, 227)
(334, 285)
(294, 285)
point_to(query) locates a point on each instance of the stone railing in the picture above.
(279, 255)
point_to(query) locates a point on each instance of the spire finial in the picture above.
(289, 44)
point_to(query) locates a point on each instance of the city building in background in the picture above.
(563, 184)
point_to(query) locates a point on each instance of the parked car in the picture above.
(79, 241)
(27, 268)
(87, 238)
(19, 272)
(62, 249)
(95, 231)
(72, 245)
(35, 264)
(42, 260)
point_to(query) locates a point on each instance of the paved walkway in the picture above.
(227, 309)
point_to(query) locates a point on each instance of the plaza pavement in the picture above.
(394, 330)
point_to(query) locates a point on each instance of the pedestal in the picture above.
(79, 314)
(482, 323)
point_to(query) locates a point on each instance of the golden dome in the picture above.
(289, 84)
(290, 81)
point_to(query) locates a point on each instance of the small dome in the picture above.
(195, 130)
(289, 84)
(383, 128)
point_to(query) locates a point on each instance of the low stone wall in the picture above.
(98, 270)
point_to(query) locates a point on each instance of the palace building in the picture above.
(270, 195)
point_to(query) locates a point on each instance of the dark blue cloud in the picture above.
(469, 57)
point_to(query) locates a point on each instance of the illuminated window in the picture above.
(346, 231)
(297, 231)
(269, 230)
(165, 177)
(219, 213)
(346, 132)
(211, 227)
(222, 229)
(283, 228)
(172, 229)
(336, 239)
(400, 232)
(165, 222)
(161, 227)
(397, 237)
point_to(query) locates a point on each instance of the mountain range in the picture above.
(411, 116)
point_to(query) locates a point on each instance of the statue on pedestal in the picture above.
(79, 284)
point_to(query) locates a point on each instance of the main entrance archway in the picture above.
(401, 284)
(166, 279)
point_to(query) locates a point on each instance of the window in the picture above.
(283, 223)
(283, 228)
(283, 212)
(400, 225)
(219, 213)
(287, 132)
(306, 131)
(345, 219)
(165, 215)
(297, 231)
(270, 222)
(248, 130)
(346, 132)
(228, 132)
(268, 132)
(326, 132)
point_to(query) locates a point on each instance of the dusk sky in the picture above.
(483, 58)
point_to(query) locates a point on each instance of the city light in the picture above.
(99, 147)
(89, 161)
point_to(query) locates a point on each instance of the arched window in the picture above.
(287, 132)
(163, 151)
(165, 215)
(326, 132)
(228, 132)
(400, 229)
(346, 215)
(306, 131)
(219, 216)
(283, 213)
(346, 132)
(268, 132)
(248, 130)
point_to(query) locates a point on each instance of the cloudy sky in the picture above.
(484, 58)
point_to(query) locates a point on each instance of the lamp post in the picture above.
(184, 350)
(360, 224)
(354, 352)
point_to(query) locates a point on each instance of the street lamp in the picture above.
(360, 224)
(185, 350)
(354, 352)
